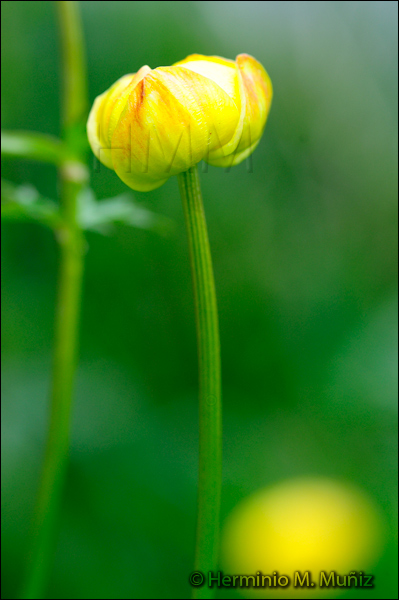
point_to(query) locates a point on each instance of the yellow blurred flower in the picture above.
(302, 525)
(158, 123)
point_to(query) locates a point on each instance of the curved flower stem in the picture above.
(210, 435)
(73, 176)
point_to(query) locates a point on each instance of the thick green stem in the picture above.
(210, 435)
(73, 176)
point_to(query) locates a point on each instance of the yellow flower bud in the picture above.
(313, 525)
(160, 122)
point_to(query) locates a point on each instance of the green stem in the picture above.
(55, 461)
(75, 97)
(73, 176)
(210, 435)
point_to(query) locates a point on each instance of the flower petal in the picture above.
(171, 120)
(225, 74)
(105, 113)
(258, 92)
(220, 70)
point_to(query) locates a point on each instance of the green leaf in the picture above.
(34, 146)
(25, 203)
(102, 215)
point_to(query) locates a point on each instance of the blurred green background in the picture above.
(304, 250)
